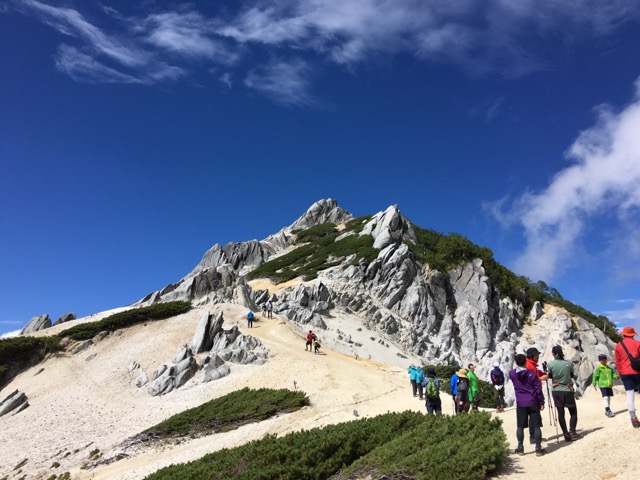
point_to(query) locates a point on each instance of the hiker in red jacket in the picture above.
(628, 347)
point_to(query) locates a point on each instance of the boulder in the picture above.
(15, 400)
(67, 317)
(37, 323)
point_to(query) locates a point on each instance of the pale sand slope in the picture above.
(80, 404)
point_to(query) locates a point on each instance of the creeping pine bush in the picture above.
(230, 411)
(377, 442)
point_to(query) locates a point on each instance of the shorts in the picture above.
(528, 417)
(606, 392)
(564, 399)
(631, 382)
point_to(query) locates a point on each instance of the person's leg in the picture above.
(522, 421)
(420, 391)
(631, 383)
(573, 420)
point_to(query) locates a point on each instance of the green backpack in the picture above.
(433, 391)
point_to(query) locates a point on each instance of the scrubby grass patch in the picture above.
(380, 442)
(229, 412)
(20, 353)
(128, 318)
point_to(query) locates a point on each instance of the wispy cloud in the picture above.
(13, 333)
(165, 45)
(604, 180)
(284, 83)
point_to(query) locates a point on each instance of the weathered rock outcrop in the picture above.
(37, 323)
(15, 402)
(67, 317)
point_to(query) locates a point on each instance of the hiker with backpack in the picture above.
(602, 378)
(316, 346)
(432, 392)
(310, 338)
(497, 380)
(250, 319)
(561, 374)
(462, 396)
(529, 403)
(626, 355)
(474, 391)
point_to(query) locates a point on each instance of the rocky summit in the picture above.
(452, 316)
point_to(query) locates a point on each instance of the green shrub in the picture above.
(128, 318)
(378, 443)
(20, 353)
(230, 412)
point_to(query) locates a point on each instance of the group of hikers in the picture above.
(528, 377)
(313, 342)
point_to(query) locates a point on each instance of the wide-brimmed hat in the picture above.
(462, 373)
(532, 351)
(628, 332)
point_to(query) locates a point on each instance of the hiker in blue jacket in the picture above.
(497, 380)
(453, 388)
(412, 371)
(419, 379)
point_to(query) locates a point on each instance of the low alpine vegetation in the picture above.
(406, 445)
(229, 412)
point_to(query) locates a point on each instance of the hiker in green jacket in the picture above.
(561, 373)
(603, 377)
(474, 391)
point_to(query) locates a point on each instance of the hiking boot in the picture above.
(567, 438)
(519, 451)
(540, 452)
(635, 422)
(610, 414)
(575, 435)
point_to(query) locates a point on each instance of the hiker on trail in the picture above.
(310, 338)
(432, 392)
(462, 397)
(603, 377)
(453, 389)
(413, 374)
(419, 380)
(474, 392)
(529, 403)
(264, 309)
(316, 345)
(250, 319)
(497, 380)
(269, 309)
(625, 354)
(533, 355)
(561, 374)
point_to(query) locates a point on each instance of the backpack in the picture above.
(433, 391)
(498, 377)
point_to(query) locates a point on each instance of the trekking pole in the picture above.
(552, 412)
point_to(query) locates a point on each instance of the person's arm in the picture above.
(596, 376)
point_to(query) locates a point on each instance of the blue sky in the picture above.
(135, 135)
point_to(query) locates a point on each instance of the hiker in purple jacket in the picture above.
(529, 403)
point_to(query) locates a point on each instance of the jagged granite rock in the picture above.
(67, 317)
(37, 323)
(16, 400)
(167, 379)
(142, 379)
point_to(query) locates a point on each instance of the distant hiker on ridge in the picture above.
(603, 377)
(419, 379)
(250, 319)
(269, 309)
(413, 373)
(310, 338)
(625, 354)
(529, 403)
(561, 372)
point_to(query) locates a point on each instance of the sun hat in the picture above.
(462, 373)
(602, 356)
(532, 351)
(628, 332)
(557, 350)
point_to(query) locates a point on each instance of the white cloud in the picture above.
(602, 182)
(85, 68)
(628, 316)
(284, 83)
(481, 37)
(13, 333)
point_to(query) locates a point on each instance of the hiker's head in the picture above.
(431, 372)
(557, 351)
(471, 367)
(496, 364)
(462, 373)
(628, 332)
(533, 354)
(602, 358)
(520, 360)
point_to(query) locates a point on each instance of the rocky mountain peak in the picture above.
(389, 227)
(323, 211)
